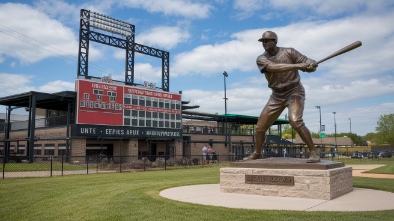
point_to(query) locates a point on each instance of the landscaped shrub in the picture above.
(196, 161)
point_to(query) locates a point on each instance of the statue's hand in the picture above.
(312, 66)
(303, 66)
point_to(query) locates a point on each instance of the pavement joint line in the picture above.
(316, 205)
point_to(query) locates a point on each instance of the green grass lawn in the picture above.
(135, 196)
(387, 169)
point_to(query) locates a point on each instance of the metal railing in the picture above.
(192, 129)
(39, 123)
(61, 165)
(49, 166)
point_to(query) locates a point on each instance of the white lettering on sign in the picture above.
(162, 133)
(114, 132)
(88, 130)
(104, 86)
(132, 132)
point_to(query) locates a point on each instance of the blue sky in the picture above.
(39, 47)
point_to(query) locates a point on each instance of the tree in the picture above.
(288, 132)
(315, 135)
(385, 129)
(247, 129)
(371, 137)
(357, 140)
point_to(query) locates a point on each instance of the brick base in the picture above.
(313, 184)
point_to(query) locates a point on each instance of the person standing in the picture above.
(204, 154)
(214, 157)
(280, 66)
(209, 153)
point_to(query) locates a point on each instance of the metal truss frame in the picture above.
(86, 35)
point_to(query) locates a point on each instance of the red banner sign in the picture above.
(119, 105)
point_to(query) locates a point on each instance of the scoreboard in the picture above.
(111, 104)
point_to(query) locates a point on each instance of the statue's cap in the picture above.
(268, 35)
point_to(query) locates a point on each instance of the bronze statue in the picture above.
(280, 67)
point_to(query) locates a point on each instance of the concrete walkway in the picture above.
(358, 200)
(209, 194)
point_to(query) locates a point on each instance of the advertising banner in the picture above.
(85, 130)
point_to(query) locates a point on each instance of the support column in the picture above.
(32, 125)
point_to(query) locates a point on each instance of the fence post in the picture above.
(62, 163)
(120, 164)
(3, 167)
(97, 163)
(51, 157)
(87, 165)
(144, 163)
(165, 162)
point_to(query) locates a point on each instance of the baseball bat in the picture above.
(341, 51)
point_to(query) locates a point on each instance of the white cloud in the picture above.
(246, 97)
(163, 37)
(30, 36)
(11, 84)
(146, 72)
(314, 39)
(329, 8)
(211, 59)
(185, 8)
(336, 91)
(14, 84)
(56, 86)
(276, 9)
(21, 38)
(69, 13)
(58, 9)
(119, 54)
(248, 7)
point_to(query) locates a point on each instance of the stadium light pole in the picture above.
(225, 75)
(321, 142)
(351, 141)
(335, 132)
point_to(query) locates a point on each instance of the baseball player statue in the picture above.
(280, 66)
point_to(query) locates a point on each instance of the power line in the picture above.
(97, 67)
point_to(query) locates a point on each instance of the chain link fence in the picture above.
(48, 166)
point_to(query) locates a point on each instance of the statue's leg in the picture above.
(296, 109)
(269, 114)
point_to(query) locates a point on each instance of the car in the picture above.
(365, 153)
(325, 155)
(373, 154)
(356, 154)
(385, 154)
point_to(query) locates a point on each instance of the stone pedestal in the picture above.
(287, 177)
